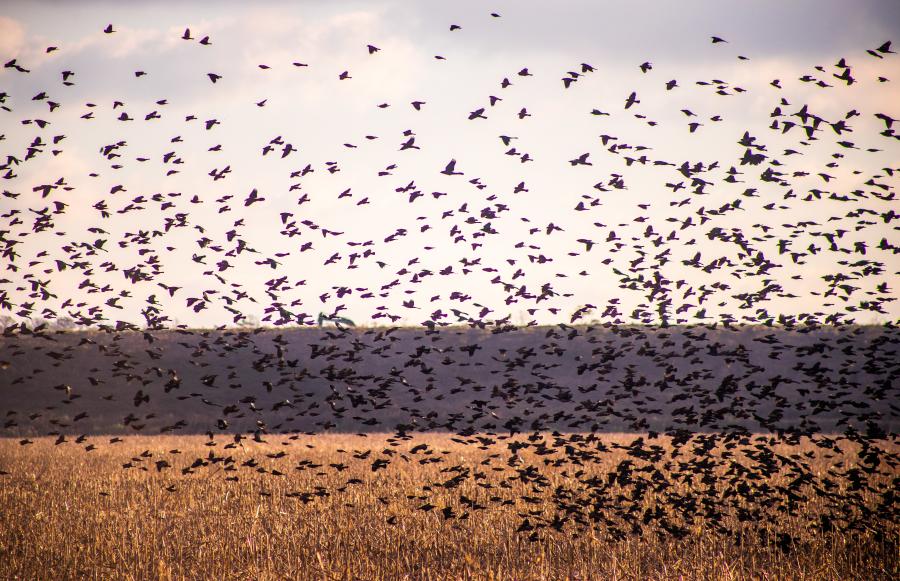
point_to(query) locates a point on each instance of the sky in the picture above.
(375, 232)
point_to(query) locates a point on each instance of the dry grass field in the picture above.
(323, 507)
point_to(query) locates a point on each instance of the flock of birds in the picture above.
(468, 372)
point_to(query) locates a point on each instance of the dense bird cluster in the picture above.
(712, 359)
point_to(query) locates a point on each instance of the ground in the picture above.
(323, 507)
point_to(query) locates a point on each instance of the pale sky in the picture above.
(460, 245)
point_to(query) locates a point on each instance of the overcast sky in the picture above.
(478, 247)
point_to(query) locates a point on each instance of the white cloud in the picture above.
(12, 37)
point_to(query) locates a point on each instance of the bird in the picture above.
(450, 169)
(581, 160)
(631, 100)
(885, 48)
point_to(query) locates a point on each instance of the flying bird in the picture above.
(450, 169)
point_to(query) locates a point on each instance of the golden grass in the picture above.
(70, 514)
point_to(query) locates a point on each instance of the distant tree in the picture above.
(249, 321)
(64, 324)
(336, 320)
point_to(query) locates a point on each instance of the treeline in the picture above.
(461, 379)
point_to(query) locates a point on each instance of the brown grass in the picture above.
(70, 514)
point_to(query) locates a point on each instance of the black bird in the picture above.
(631, 100)
(580, 160)
(450, 169)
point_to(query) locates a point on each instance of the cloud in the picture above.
(12, 37)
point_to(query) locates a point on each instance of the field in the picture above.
(586, 452)
(437, 506)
